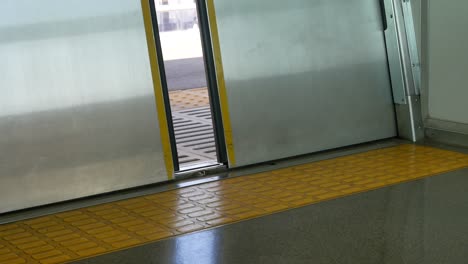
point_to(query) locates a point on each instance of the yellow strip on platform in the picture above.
(110, 227)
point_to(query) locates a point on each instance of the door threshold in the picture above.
(200, 169)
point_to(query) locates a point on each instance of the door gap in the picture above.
(186, 79)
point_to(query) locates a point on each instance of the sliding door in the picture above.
(78, 111)
(300, 76)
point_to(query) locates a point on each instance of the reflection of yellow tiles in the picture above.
(188, 99)
(105, 228)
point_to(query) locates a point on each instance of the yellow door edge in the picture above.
(158, 90)
(221, 83)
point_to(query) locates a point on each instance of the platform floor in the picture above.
(132, 223)
(194, 137)
(193, 127)
(419, 222)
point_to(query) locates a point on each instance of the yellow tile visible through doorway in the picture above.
(190, 98)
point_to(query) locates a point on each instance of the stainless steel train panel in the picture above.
(303, 75)
(77, 107)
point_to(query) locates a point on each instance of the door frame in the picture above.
(211, 70)
(212, 78)
(160, 88)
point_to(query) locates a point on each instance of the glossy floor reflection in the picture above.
(425, 221)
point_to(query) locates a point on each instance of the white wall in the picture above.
(447, 61)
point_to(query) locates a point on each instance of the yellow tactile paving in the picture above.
(105, 228)
(187, 99)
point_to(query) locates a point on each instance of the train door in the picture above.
(300, 76)
(78, 114)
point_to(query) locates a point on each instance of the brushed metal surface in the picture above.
(395, 51)
(409, 119)
(304, 75)
(77, 109)
(404, 69)
(412, 28)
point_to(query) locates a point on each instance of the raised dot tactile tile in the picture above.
(188, 99)
(110, 227)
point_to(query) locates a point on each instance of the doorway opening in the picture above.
(187, 82)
